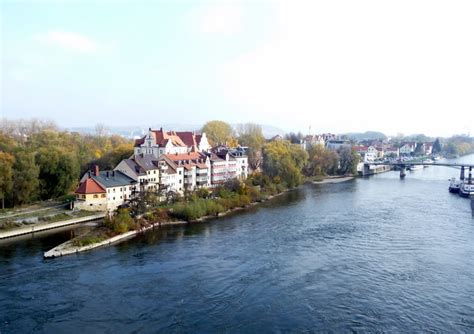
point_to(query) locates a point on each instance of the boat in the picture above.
(428, 161)
(454, 185)
(466, 189)
(415, 167)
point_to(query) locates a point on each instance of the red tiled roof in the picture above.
(187, 137)
(184, 156)
(360, 148)
(162, 137)
(90, 186)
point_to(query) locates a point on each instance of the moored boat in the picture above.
(415, 167)
(454, 185)
(466, 189)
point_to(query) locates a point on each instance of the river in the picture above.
(371, 254)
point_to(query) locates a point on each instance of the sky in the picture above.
(311, 66)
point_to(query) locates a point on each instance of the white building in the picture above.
(158, 142)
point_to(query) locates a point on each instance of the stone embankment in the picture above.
(47, 226)
(69, 247)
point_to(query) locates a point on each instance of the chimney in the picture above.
(96, 170)
(161, 129)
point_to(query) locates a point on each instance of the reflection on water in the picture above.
(372, 254)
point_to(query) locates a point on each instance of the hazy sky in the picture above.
(393, 66)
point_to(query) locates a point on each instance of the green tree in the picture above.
(419, 148)
(436, 146)
(59, 171)
(25, 178)
(348, 160)
(6, 176)
(219, 133)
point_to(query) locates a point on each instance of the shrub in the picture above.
(121, 222)
(88, 240)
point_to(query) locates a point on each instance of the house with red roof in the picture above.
(158, 142)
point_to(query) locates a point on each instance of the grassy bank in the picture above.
(199, 204)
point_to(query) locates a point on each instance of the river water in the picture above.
(373, 254)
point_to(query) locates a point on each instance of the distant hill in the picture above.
(368, 135)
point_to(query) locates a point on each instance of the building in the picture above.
(194, 170)
(336, 145)
(310, 140)
(408, 148)
(143, 169)
(158, 142)
(166, 162)
(104, 190)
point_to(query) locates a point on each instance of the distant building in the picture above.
(336, 145)
(408, 148)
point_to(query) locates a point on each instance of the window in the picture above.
(179, 172)
(96, 196)
(114, 198)
(120, 189)
(114, 189)
(154, 172)
(180, 181)
(103, 196)
(120, 197)
(108, 190)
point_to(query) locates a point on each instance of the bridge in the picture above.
(402, 165)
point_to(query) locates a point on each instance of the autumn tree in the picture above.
(6, 176)
(219, 133)
(25, 178)
(251, 135)
(284, 161)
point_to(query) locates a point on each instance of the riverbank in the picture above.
(336, 179)
(71, 247)
(13, 232)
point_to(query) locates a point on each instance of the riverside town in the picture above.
(214, 166)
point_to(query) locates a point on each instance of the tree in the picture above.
(219, 133)
(322, 161)
(348, 160)
(294, 138)
(59, 171)
(25, 178)
(6, 176)
(436, 146)
(418, 149)
(251, 135)
(285, 161)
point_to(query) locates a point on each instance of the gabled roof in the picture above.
(135, 167)
(146, 161)
(188, 137)
(161, 138)
(90, 186)
(108, 179)
(185, 156)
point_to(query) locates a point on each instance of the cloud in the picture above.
(69, 40)
(220, 19)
